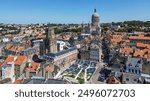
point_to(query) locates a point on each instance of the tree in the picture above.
(71, 40)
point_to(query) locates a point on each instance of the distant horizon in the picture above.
(72, 11)
(68, 23)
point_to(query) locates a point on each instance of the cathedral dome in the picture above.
(95, 14)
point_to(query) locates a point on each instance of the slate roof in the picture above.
(61, 52)
(41, 80)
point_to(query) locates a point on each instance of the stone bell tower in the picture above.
(52, 40)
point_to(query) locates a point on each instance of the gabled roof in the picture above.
(126, 50)
(8, 59)
(20, 60)
(33, 67)
(141, 37)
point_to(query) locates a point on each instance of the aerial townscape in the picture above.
(86, 53)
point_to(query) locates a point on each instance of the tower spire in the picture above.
(95, 10)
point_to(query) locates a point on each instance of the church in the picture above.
(92, 48)
(49, 51)
(94, 26)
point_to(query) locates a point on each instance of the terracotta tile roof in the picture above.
(20, 60)
(145, 53)
(20, 49)
(145, 56)
(116, 40)
(138, 54)
(143, 45)
(8, 59)
(127, 41)
(140, 37)
(140, 44)
(33, 67)
(148, 46)
(127, 51)
(146, 50)
(66, 36)
(18, 82)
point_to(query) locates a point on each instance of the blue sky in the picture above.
(72, 11)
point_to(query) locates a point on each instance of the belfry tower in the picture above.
(52, 40)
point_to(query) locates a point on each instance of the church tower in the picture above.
(96, 44)
(95, 19)
(52, 40)
(95, 25)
